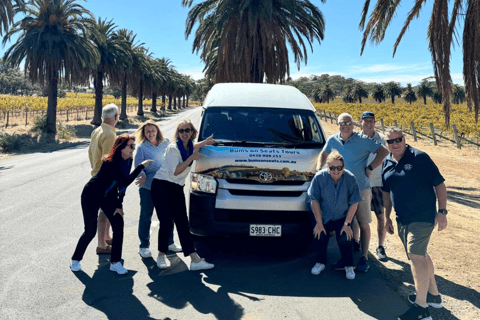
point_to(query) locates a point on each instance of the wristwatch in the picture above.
(443, 211)
(370, 167)
(347, 224)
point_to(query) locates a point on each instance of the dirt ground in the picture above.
(454, 251)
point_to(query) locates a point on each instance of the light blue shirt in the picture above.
(334, 199)
(355, 152)
(147, 151)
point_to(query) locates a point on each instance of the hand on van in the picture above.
(207, 142)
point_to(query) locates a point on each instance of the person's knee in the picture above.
(418, 259)
(364, 226)
(102, 218)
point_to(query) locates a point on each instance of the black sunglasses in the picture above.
(184, 130)
(397, 140)
(345, 123)
(333, 168)
(132, 146)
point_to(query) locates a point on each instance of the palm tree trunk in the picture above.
(123, 113)
(359, 99)
(98, 85)
(51, 126)
(163, 102)
(170, 102)
(154, 102)
(174, 103)
(187, 100)
(393, 99)
(424, 99)
(140, 99)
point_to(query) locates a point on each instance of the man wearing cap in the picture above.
(368, 129)
(412, 184)
(355, 149)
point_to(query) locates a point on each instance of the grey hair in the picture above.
(345, 114)
(393, 129)
(109, 111)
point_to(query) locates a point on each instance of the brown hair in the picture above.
(192, 127)
(140, 132)
(335, 155)
(119, 144)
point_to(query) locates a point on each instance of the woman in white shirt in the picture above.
(168, 196)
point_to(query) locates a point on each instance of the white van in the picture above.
(254, 181)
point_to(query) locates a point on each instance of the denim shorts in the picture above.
(415, 237)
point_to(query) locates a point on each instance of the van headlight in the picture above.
(203, 183)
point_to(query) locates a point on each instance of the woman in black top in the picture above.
(106, 190)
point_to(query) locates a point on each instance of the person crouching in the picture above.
(334, 196)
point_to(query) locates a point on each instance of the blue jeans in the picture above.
(146, 212)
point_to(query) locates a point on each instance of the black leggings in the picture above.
(169, 201)
(90, 205)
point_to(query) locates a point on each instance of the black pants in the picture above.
(169, 201)
(90, 205)
(346, 246)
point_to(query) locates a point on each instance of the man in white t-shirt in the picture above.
(368, 129)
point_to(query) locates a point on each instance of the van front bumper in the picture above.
(206, 220)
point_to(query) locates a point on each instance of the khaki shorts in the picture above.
(415, 237)
(364, 212)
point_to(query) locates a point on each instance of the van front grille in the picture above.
(257, 216)
(259, 193)
(275, 183)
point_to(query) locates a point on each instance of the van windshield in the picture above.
(241, 125)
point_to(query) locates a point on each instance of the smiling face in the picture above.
(127, 152)
(345, 130)
(396, 148)
(368, 125)
(151, 133)
(184, 133)
(333, 167)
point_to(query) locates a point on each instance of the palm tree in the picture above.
(440, 34)
(327, 93)
(437, 96)
(359, 92)
(348, 94)
(112, 56)
(53, 41)
(246, 41)
(410, 95)
(378, 93)
(425, 90)
(317, 93)
(458, 94)
(7, 11)
(392, 89)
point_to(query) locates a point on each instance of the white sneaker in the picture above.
(145, 253)
(162, 262)
(350, 274)
(118, 268)
(173, 247)
(75, 266)
(201, 265)
(317, 268)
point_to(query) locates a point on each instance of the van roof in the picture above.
(256, 95)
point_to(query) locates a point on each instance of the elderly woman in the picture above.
(169, 198)
(151, 145)
(334, 195)
(106, 190)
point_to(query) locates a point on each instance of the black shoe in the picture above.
(363, 264)
(356, 246)
(381, 253)
(416, 313)
(432, 301)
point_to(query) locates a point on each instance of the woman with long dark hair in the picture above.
(106, 190)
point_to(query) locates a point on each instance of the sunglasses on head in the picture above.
(184, 130)
(333, 168)
(397, 140)
(345, 123)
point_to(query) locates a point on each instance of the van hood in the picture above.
(264, 165)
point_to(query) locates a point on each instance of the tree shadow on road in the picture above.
(402, 281)
(177, 287)
(468, 197)
(111, 293)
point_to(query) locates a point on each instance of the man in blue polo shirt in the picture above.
(412, 184)
(355, 149)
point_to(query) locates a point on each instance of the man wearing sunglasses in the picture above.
(368, 129)
(412, 184)
(355, 149)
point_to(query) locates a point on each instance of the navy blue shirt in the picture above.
(334, 199)
(411, 183)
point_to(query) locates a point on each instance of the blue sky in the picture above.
(160, 24)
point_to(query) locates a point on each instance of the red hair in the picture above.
(119, 144)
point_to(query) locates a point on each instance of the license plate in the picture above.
(265, 230)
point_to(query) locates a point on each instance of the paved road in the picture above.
(41, 221)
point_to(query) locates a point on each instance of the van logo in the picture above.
(265, 177)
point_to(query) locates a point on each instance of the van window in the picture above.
(261, 125)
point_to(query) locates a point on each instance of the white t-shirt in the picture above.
(172, 158)
(376, 176)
